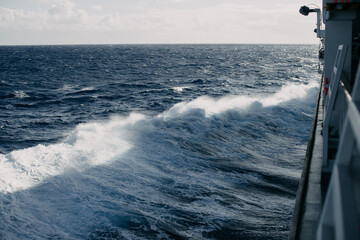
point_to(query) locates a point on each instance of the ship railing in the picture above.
(340, 217)
(335, 106)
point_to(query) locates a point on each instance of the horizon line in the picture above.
(98, 44)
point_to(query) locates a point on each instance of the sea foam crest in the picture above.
(180, 89)
(88, 145)
(100, 143)
(216, 106)
(20, 94)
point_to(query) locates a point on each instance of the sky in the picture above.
(39, 22)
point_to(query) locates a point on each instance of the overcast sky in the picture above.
(154, 21)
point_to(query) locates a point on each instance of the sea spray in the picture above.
(88, 145)
(215, 106)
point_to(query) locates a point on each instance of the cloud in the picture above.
(173, 1)
(62, 15)
(17, 19)
(62, 7)
(216, 22)
(65, 12)
(97, 7)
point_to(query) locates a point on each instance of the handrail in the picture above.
(346, 93)
(330, 102)
(339, 219)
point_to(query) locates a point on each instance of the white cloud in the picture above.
(62, 15)
(62, 7)
(97, 7)
(18, 19)
(173, 1)
(221, 22)
(65, 12)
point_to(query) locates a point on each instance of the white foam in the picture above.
(87, 89)
(289, 92)
(210, 105)
(179, 89)
(68, 87)
(88, 145)
(21, 94)
(215, 106)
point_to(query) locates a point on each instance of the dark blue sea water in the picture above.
(153, 141)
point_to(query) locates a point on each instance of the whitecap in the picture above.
(21, 94)
(88, 145)
(213, 106)
(179, 89)
(87, 89)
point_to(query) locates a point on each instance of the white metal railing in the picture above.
(341, 211)
(332, 99)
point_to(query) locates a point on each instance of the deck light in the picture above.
(305, 10)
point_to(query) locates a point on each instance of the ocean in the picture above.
(153, 141)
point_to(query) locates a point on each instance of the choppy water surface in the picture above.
(153, 141)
